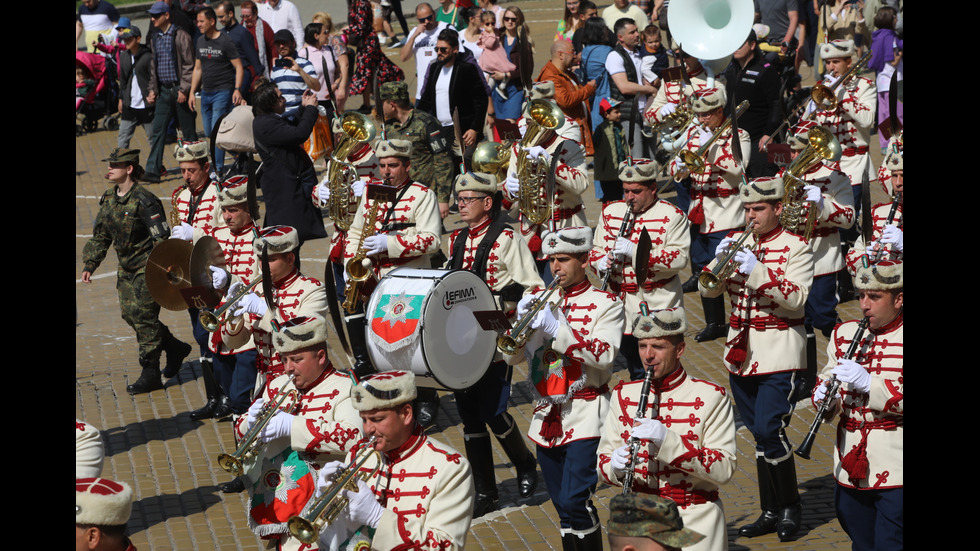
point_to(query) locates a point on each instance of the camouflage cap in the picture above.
(648, 516)
(394, 91)
(120, 155)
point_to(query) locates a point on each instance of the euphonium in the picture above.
(341, 175)
(542, 116)
(249, 445)
(695, 160)
(492, 158)
(826, 96)
(797, 211)
(726, 266)
(509, 342)
(325, 509)
(211, 319)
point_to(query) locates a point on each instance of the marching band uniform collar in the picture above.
(327, 371)
(286, 281)
(670, 381)
(890, 326)
(414, 442)
(770, 235)
(480, 228)
(578, 288)
(247, 228)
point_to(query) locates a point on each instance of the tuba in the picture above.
(542, 116)
(726, 266)
(711, 30)
(797, 212)
(492, 158)
(325, 509)
(341, 175)
(250, 445)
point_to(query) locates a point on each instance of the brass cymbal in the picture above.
(168, 271)
(207, 252)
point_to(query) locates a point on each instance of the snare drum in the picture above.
(423, 320)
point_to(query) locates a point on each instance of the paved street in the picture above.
(171, 461)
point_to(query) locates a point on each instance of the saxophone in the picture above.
(797, 211)
(542, 116)
(357, 273)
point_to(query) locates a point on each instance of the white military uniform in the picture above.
(417, 228)
(673, 91)
(242, 265)
(879, 215)
(365, 162)
(851, 124)
(837, 213)
(670, 240)
(767, 305)
(697, 456)
(207, 212)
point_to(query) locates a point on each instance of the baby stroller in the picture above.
(103, 100)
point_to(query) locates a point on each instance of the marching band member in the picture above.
(102, 509)
(230, 384)
(570, 355)
(320, 426)
(491, 249)
(766, 342)
(686, 434)
(422, 496)
(829, 191)
(132, 221)
(868, 464)
(670, 240)
(886, 238)
(672, 93)
(200, 215)
(715, 208)
(571, 181)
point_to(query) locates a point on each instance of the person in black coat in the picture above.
(467, 92)
(750, 77)
(287, 176)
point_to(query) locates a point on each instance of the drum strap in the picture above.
(482, 250)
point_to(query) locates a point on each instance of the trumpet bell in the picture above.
(710, 29)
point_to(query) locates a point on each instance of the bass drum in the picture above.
(422, 320)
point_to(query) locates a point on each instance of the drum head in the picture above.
(422, 320)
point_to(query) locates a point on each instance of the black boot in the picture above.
(788, 498)
(176, 350)
(480, 456)
(691, 285)
(590, 542)
(714, 315)
(426, 407)
(358, 346)
(211, 390)
(223, 409)
(149, 380)
(234, 486)
(522, 458)
(804, 387)
(766, 523)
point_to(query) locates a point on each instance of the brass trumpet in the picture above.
(726, 267)
(211, 319)
(511, 341)
(325, 509)
(250, 445)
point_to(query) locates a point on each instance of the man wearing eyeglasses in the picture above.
(492, 249)
(422, 43)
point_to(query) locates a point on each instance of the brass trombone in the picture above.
(511, 341)
(726, 267)
(326, 508)
(250, 445)
(211, 319)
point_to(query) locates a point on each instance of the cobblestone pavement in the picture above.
(171, 461)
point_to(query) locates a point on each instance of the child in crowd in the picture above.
(610, 150)
(84, 83)
(653, 56)
(494, 58)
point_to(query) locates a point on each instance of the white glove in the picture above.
(680, 169)
(364, 509)
(253, 304)
(869, 249)
(620, 460)
(376, 244)
(184, 232)
(524, 305)
(219, 277)
(895, 236)
(667, 109)
(323, 192)
(280, 426)
(722, 247)
(253, 411)
(820, 393)
(649, 429)
(849, 371)
(603, 264)
(746, 261)
(547, 321)
(512, 185)
(358, 187)
(624, 247)
(539, 152)
(815, 196)
(704, 136)
(325, 479)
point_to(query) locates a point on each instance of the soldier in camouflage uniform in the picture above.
(132, 220)
(431, 164)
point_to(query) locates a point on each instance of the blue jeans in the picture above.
(167, 107)
(214, 104)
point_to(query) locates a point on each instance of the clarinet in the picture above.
(879, 246)
(832, 389)
(640, 414)
(627, 220)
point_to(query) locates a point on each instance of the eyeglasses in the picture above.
(424, 19)
(468, 200)
(510, 19)
(443, 50)
(155, 15)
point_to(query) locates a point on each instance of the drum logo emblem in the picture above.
(457, 296)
